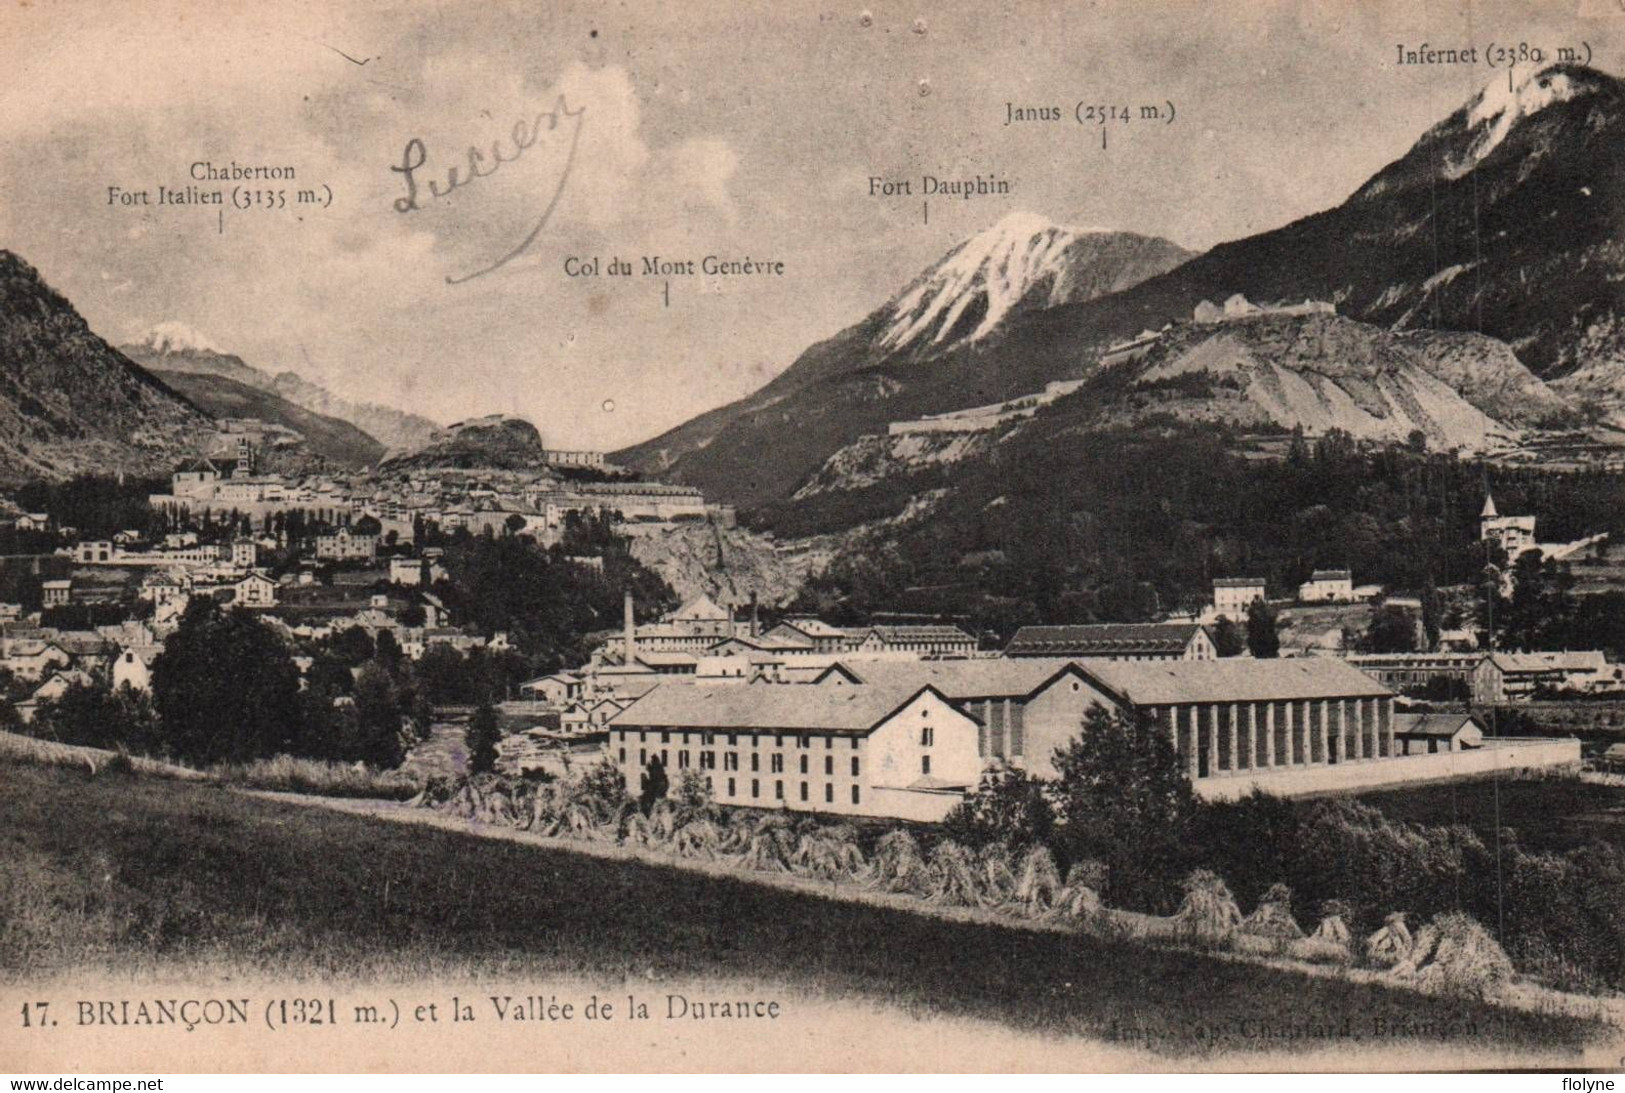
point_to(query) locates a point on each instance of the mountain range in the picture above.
(173, 350)
(1498, 233)
(923, 351)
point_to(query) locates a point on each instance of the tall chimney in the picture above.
(755, 618)
(631, 632)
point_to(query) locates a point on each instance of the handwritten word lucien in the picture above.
(526, 133)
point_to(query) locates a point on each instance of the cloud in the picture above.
(702, 169)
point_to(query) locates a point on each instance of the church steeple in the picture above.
(1489, 512)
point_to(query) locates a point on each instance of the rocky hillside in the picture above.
(924, 351)
(727, 564)
(69, 402)
(172, 348)
(871, 459)
(1266, 373)
(397, 430)
(495, 442)
(1323, 372)
(337, 442)
(1505, 219)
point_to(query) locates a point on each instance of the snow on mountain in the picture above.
(968, 293)
(177, 337)
(1501, 105)
(849, 384)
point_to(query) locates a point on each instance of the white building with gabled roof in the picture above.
(902, 752)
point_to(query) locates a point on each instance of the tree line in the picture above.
(1118, 525)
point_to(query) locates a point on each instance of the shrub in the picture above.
(1008, 808)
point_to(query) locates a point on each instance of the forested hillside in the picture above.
(1121, 525)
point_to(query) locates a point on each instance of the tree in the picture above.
(483, 735)
(225, 687)
(95, 716)
(440, 676)
(1228, 638)
(1008, 807)
(1262, 639)
(375, 735)
(653, 784)
(1432, 613)
(692, 795)
(1540, 612)
(389, 652)
(1392, 630)
(352, 647)
(1124, 799)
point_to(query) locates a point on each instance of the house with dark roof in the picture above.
(1115, 641)
(1430, 733)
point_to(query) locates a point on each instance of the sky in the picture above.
(747, 130)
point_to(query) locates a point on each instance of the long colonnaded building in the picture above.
(1237, 715)
(908, 739)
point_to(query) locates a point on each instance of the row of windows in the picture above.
(709, 739)
(708, 761)
(778, 791)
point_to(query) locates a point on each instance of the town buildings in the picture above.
(1232, 596)
(1287, 726)
(1516, 677)
(905, 752)
(346, 545)
(1513, 534)
(1431, 733)
(1328, 586)
(1403, 671)
(1115, 641)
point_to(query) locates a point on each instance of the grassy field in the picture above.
(1555, 814)
(282, 773)
(132, 875)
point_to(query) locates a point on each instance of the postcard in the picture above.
(807, 537)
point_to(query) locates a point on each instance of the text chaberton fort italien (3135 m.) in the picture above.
(203, 187)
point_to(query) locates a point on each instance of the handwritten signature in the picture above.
(525, 134)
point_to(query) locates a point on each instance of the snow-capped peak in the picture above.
(174, 337)
(1499, 106)
(995, 269)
